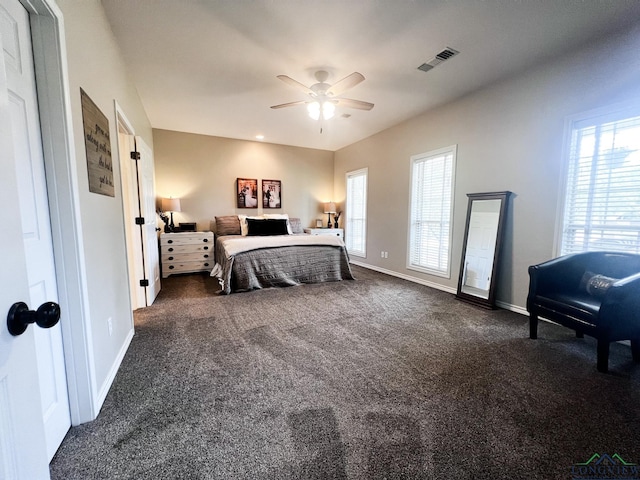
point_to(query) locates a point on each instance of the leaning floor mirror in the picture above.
(481, 249)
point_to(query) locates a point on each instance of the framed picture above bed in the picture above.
(271, 194)
(247, 192)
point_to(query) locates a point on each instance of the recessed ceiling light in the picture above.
(259, 137)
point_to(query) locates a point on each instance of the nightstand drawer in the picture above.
(187, 257)
(338, 232)
(185, 267)
(185, 249)
(197, 238)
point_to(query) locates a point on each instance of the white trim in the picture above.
(618, 108)
(108, 381)
(513, 308)
(136, 292)
(8, 461)
(453, 149)
(50, 59)
(353, 173)
(421, 281)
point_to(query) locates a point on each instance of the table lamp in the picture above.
(329, 208)
(171, 205)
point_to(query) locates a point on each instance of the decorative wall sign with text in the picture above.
(98, 146)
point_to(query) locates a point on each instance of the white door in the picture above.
(126, 145)
(34, 225)
(147, 192)
(139, 202)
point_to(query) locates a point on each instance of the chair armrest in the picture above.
(621, 302)
(624, 289)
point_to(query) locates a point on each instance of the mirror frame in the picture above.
(490, 301)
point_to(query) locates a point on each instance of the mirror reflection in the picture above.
(481, 245)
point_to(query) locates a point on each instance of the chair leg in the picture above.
(579, 334)
(603, 355)
(635, 350)
(533, 326)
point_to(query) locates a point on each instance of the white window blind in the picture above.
(356, 213)
(430, 211)
(602, 202)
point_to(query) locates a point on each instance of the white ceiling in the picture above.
(210, 66)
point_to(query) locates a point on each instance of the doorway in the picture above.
(138, 192)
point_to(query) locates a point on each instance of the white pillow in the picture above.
(279, 216)
(244, 226)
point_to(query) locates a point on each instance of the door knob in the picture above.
(20, 316)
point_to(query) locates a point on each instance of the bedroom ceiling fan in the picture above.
(324, 97)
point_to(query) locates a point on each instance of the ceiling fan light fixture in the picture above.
(328, 110)
(324, 98)
(314, 110)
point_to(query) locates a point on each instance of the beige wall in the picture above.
(202, 171)
(95, 64)
(509, 137)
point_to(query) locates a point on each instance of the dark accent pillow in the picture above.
(267, 227)
(228, 225)
(296, 225)
(596, 285)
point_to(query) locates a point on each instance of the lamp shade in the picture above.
(171, 205)
(330, 207)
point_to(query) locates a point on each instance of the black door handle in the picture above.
(20, 316)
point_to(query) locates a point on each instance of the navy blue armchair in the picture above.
(593, 293)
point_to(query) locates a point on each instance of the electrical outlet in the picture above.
(386, 254)
(381, 254)
(110, 325)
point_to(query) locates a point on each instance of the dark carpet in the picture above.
(377, 378)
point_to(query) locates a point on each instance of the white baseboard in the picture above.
(104, 390)
(512, 308)
(427, 283)
(437, 286)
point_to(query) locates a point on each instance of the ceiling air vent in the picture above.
(445, 54)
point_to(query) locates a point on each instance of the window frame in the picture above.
(618, 113)
(452, 150)
(356, 173)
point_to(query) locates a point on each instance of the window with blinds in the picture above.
(431, 209)
(602, 201)
(356, 213)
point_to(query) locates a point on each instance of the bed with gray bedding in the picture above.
(247, 263)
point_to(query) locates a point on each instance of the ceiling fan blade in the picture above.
(296, 84)
(290, 104)
(345, 84)
(349, 103)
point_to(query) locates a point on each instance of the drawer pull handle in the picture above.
(171, 267)
(206, 264)
(206, 256)
(205, 240)
(169, 241)
(170, 258)
(206, 248)
(170, 249)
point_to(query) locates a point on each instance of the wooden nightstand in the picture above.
(186, 252)
(339, 232)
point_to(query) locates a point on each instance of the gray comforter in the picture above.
(251, 263)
